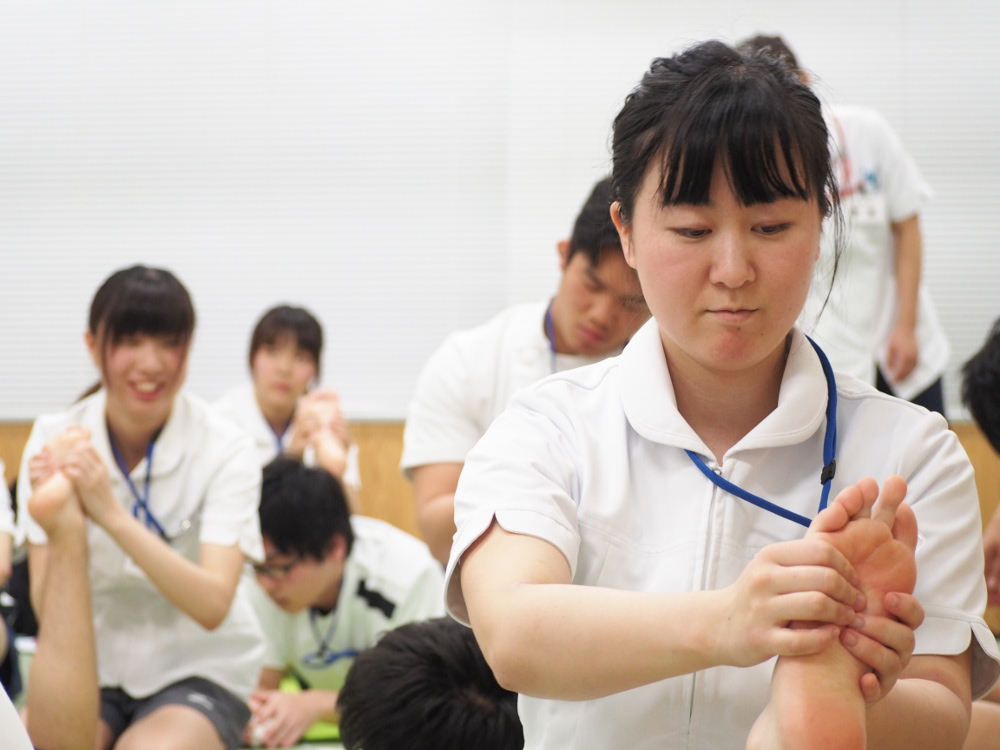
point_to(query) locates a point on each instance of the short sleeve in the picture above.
(898, 176)
(524, 475)
(6, 509)
(232, 496)
(441, 423)
(950, 586)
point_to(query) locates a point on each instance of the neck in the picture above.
(132, 437)
(722, 407)
(278, 417)
(327, 602)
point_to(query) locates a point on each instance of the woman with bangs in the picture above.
(139, 505)
(703, 543)
(282, 409)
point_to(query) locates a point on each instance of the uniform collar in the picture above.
(169, 445)
(650, 404)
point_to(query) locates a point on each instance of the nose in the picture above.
(604, 311)
(268, 583)
(732, 264)
(150, 355)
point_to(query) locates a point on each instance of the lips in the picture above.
(733, 315)
(147, 390)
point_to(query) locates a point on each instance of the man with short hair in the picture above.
(469, 379)
(329, 585)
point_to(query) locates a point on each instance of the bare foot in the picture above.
(54, 503)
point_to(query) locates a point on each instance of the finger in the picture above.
(788, 642)
(820, 582)
(871, 689)
(810, 606)
(886, 663)
(904, 528)
(889, 499)
(905, 608)
(809, 552)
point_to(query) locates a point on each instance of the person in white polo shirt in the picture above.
(329, 585)
(469, 379)
(662, 550)
(154, 499)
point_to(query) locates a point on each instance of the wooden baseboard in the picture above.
(387, 495)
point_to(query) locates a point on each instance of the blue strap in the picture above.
(829, 456)
(550, 334)
(140, 508)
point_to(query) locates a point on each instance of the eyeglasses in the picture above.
(275, 571)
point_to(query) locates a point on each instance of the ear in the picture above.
(624, 233)
(563, 247)
(338, 549)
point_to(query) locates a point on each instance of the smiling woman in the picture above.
(139, 506)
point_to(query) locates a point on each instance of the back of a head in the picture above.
(981, 387)
(773, 46)
(593, 231)
(426, 686)
(302, 509)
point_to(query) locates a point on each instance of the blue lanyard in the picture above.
(324, 655)
(278, 436)
(140, 508)
(829, 456)
(550, 334)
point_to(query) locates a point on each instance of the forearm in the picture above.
(436, 519)
(534, 638)
(203, 594)
(908, 263)
(929, 709)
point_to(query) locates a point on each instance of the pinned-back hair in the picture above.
(285, 320)
(141, 300)
(713, 104)
(770, 45)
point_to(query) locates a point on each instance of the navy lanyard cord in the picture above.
(140, 508)
(829, 454)
(550, 334)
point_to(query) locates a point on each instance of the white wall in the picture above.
(403, 169)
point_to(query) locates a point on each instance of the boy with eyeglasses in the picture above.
(329, 586)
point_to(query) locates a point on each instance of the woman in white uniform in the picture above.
(148, 489)
(281, 409)
(632, 547)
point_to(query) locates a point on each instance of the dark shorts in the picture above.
(227, 713)
(10, 670)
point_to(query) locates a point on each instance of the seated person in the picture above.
(426, 686)
(329, 586)
(469, 379)
(981, 395)
(281, 408)
(10, 674)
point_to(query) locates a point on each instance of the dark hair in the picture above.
(981, 387)
(711, 103)
(594, 232)
(772, 46)
(426, 686)
(285, 320)
(141, 300)
(303, 509)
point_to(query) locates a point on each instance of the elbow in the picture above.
(506, 657)
(211, 617)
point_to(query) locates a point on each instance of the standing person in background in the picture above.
(330, 584)
(878, 323)
(139, 505)
(281, 409)
(469, 379)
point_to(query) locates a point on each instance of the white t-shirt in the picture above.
(240, 406)
(597, 457)
(880, 184)
(470, 378)
(204, 488)
(12, 733)
(389, 579)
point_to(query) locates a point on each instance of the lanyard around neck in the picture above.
(279, 437)
(829, 456)
(550, 334)
(140, 508)
(324, 656)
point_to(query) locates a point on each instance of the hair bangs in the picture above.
(141, 300)
(738, 122)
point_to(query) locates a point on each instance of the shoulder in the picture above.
(516, 322)
(203, 431)
(383, 552)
